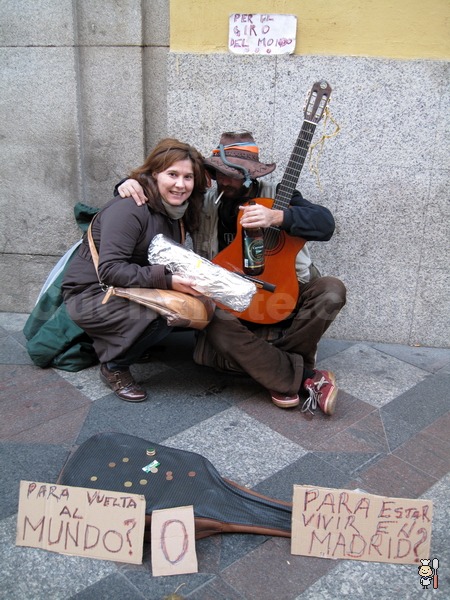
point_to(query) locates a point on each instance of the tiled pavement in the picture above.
(389, 436)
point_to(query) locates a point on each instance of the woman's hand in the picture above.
(184, 284)
(132, 188)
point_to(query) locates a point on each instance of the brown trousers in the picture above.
(277, 364)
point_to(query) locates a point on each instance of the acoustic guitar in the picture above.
(278, 287)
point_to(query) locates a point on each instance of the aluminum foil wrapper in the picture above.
(211, 280)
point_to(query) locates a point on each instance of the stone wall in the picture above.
(384, 176)
(88, 87)
(83, 97)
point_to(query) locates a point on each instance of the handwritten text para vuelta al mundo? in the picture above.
(87, 522)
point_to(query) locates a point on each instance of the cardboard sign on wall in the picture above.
(264, 34)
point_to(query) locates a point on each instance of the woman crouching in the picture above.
(174, 181)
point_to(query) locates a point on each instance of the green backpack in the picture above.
(53, 339)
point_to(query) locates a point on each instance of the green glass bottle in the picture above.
(253, 250)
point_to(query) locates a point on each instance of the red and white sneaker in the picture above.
(283, 401)
(322, 391)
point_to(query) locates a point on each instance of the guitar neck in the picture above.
(295, 165)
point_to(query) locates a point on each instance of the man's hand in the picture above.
(258, 215)
(132, 188)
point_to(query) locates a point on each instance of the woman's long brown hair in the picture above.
(165, 153)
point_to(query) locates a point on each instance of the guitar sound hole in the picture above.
(273, 241)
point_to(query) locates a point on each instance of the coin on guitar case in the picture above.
(150, 452)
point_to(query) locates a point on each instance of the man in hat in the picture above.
(280, 357)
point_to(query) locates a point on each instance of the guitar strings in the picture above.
(301, 150)
(290, 178)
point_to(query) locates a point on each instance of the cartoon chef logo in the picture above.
(428, 573)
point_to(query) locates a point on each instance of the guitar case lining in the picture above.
(115, 462)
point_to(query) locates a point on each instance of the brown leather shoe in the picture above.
(122, 384)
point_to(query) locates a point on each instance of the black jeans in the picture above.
(155, 332)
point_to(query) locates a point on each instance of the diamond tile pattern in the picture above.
(389, 435)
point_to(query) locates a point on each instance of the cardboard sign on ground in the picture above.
(173, 541)
(81, 521)
(334, 523)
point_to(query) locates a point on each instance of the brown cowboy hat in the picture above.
(237, 156)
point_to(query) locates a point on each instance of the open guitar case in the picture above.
(115, 462)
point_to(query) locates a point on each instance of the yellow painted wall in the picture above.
(405, 29)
